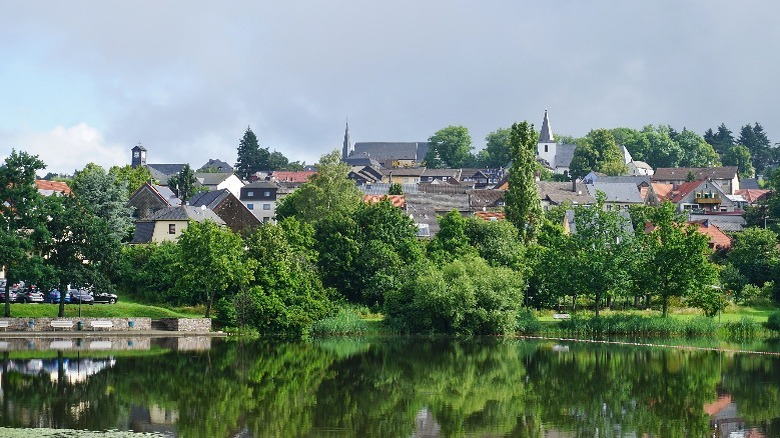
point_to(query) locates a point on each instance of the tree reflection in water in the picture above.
(398, 387)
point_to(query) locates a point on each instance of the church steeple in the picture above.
(546, 135)
(346, 149)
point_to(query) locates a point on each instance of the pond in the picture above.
(388, 387)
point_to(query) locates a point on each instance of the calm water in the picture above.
(386, 388)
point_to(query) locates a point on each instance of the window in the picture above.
(267, 193)
(250, 206)
(545, 148)
(266, 206)
(266, 220)
(250, 193)
(171, 228)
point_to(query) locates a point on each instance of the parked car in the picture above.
(54, 297)
(81, 296)
(105, 298)
(30, 294)
(15, 292)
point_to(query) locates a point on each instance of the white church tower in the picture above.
(546, 148)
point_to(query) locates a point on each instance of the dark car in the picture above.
(30, 294)
(105, 298)
(81, 296)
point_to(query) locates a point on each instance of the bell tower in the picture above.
(138, 157)
(546, 148)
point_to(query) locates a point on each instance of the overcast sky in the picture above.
(85, 81)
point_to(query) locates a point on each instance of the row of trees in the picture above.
(599, 150)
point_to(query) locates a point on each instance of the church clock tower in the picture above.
(139, 156)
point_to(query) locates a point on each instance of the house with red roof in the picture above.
(702, 195)
(48, 188)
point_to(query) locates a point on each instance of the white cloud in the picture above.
(65, 149)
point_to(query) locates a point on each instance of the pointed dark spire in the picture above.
(347, 147)
(546, 135)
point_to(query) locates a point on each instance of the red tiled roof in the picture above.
(56, 186)
(397, 200)
(682, 191)
(490, 215)
(718, 239)
(662, 190)
(752, 195)
(296, 177)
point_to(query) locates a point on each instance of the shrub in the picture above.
(345, 322)
(744, 328)
(773, 322)
(527, 323)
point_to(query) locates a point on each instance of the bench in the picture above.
(561, 316)
(4, 324)
(63, 324)
(101, 324)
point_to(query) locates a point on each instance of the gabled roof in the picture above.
(560, 192)
(749, 183)
(186, 213)
(662, 190)
(718, 239)
(617, 192)
(486, 198)
(681, 173)
(211, 178)
(162, 192)
(753, 195)
(641, 165)
(261, 185)
(397, 200)
(164, 170)
(564, 154)
(210, 199)
(404, 171)
(214, 163)
(685, 189)
(638, 179)
(290, 176)
(143, 232)
(48, 188)
(453, 173)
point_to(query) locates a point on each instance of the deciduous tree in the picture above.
(105, 196)
(449, 147)
(523, 207)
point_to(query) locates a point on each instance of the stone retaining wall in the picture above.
(44, 324)
(187, 324)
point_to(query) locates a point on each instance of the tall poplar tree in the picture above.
(523, 207)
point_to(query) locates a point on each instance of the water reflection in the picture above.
(388, 388)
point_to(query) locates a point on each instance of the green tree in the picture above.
(183, 183)
(82, 247)
(328, 192)
(722, 140)
(213, 258)
(22, 223)
(132, 177)
(696, 151)
(451, 241)
(674, 258)
(662, 150)
(498, 148)
(523, 207)
(105, 196)
(755, 139)
(449, 147)
(600, 152)
(466, 296)
(755, 254)
(287, 296)
(251, 157)
(395, 189)
(739, 156)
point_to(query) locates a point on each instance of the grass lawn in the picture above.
(118, 310)
(732, 313)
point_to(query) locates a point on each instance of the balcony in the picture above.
(707, 198)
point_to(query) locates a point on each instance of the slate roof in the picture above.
(546, 134)
(637, 180)
(453, 173)
(424, 207)
(48, 188)
(383, 151)
(486, 198)
(563, 155)
(186, 213)
(143, 232)
(161, 172)
(214, 163)
(362, 160)
(642, 165)
(617, 192)
(731, 223)
(212, 179)
(749, 183)
(404, 171)
(681, 173)
(210, 199)
(559, 192)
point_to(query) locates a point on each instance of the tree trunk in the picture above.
(8, 285)
(209, 297)
(61, 311)
(598, 300)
